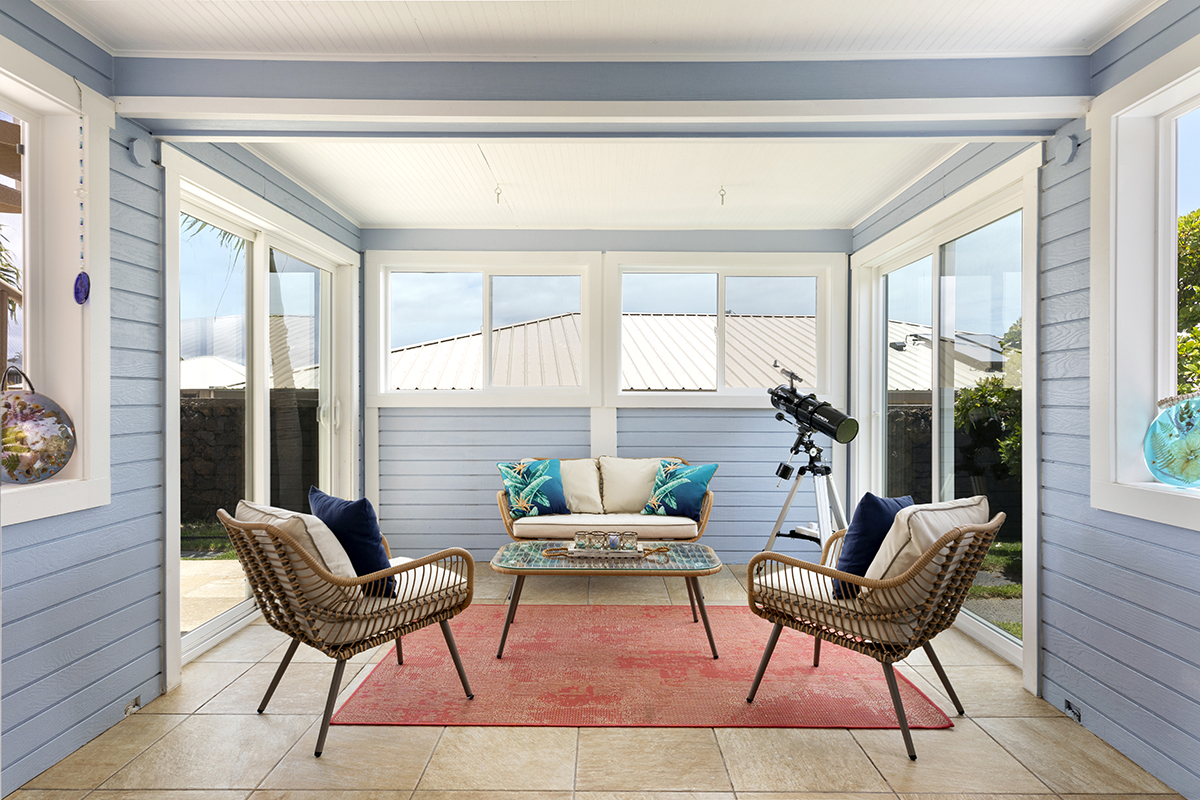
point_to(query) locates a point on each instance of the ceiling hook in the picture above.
(497, 194)
(722, 193)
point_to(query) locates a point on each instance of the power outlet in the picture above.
(133, 705)
(1073, 711)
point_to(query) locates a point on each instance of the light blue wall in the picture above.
(1153, 36)
(82, 592)
(54, 41)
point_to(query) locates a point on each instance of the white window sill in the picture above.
(52, 498)
(1170, 505)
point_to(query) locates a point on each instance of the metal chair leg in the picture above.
(890, 674)
(817, 651)
(399, 651)
(333, 693)
(458, 665)
(691, 599)
(937, 665)
(283, 665)
(766, 657)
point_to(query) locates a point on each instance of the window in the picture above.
(62, 346)
(475, 328)
(1144, 167)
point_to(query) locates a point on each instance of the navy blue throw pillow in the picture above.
(355, 525)
(872, 520)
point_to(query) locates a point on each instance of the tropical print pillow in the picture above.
(679, 489)
(534, 487)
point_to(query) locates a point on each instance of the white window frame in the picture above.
(194, 188)
(1133, 243)
(1013, 186)
(381, 264)
(68, 344)
(831, 272)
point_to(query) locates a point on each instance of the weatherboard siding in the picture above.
(437, 470)
(1119, 594)
(82, 592)
(748, 446)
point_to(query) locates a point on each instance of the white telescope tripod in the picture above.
(829, 504)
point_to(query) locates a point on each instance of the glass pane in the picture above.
(436, 330)
(12, 241)
(769, 319)
(294, 373)
(980, 386)
(212, 415)
(908, 371)
(537, 330)
(669, 332)
(1187, 208)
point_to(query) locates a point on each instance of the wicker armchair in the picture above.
(887, 619)
(343, 617)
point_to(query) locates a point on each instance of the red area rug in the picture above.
(627, 666)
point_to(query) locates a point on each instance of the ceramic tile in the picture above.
(357, 757)
(201, 681)
(818, 796)
(621, 590)
(1138, 796)
(554, 590)
(797, 760)
(721, 589)
(491, 795)
(652, 796)
(974, 797)
(959, 759)
(303, 690)
(239, 750)
(532, 759)
(251, 643)
(47, 794)
(301, 794)
(956, 649)
(178, 794)
(650, 759)
(96, 761)
(986, 692)
(490, 586)
(1070, 758)
(311, 655)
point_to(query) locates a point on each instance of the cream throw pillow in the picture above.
(915, 530)
(628, 483)
(581, 485)
(309, 532)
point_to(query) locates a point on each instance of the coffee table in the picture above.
(686, 560)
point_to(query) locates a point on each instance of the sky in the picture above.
(1188, 164)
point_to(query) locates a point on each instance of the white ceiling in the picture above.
(599, 29)
(607, 184)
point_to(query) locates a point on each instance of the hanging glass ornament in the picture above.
(1172, 443)
(37, 437)
(83, 284)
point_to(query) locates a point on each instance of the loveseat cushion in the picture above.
(626, 483)
(810, 596)
(534, 487)
(581, 485)
(679, 489)
(564, 526)
(313, 535)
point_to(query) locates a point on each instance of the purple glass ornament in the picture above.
(83, 287)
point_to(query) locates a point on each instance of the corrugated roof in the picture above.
(910, 367)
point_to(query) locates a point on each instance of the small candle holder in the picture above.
(583, 540)
(629, 540)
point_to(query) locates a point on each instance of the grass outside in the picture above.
(208, 538)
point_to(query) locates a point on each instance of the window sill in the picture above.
(1170, 505)
(52, 498)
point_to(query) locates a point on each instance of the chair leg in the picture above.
(283, 665)
(333, 693)
(766, 657)
(691, 599)
(890, 674)
(937, 665)
(458, 665)
(399, 651)
(817, 651)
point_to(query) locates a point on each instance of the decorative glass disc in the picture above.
(1172, 444)
(38, 437)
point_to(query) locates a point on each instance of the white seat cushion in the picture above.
(581, 485)
(627, 483)
(564, 526)
(809, 596)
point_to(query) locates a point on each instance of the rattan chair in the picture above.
(343, 617)
(887, 620)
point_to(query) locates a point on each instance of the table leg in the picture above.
(512, 611)
(695, 584)
(691, 598)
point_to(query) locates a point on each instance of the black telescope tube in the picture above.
(815, 414)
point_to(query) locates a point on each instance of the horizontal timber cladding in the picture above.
(748, 445)
(1119, 594)
(437, 470)
(82, 592)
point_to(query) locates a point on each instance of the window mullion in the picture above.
(720, 330)
(485, 340)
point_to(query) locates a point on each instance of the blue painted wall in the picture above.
(1150, 38)
(51, 40)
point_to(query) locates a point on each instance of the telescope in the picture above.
(811, 413)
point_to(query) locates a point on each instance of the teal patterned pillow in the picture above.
(679, 489)
(534, 487)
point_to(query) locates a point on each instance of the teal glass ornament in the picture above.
(1172, 443)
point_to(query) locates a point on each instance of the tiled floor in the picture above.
(205, 742)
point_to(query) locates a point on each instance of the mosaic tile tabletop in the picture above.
(682, 558)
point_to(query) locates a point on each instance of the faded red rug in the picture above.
(627, 666)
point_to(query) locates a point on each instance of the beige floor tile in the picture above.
(650, 759)
(956, 649)
(819, 796)
(738, 571)
(251, 643)
(974, 797)
(96, 761)
(47, 794)
(627, 591)
(177, 794)
(532, 759)
(721, 589)
(490, 586)
(202, 680)
(797, 760)
(303, 689)
(311, 655)
(1070, 758)
(238, 751)
(650, 796)
(555, 590)
(1138, 796)
(195, 611)
(357, 757)
(959, 759)
(316, 794)
(492, 795)
(986, 692)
